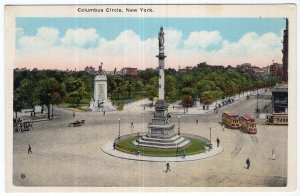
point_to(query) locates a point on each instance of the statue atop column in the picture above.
(100, 71)
(161, 38)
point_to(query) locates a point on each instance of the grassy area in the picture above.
(126, 101)
(75, 106)
(194, 147)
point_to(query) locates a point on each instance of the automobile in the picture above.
(77, 123)
(22, 126)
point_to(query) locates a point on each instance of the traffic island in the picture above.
(125, 147)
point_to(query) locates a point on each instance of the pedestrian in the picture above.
(218, 142)
(29, 149)
(168, 167)
(103, 113)
(144, 107)
(273, 154)
(73, 114)
(248, 163)
(173, 106)
(132, 126)
(197, 121)
(114, 145)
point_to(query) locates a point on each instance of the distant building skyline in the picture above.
(69, 43)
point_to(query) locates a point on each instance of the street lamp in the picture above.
(178, 125)
(138, 139)
(210, 134)
(52, 110)
(119, 128)
(257, 102)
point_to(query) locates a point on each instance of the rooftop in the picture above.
(280, 88)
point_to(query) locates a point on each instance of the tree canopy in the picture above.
(210, 83)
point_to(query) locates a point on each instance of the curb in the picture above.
(108, 149)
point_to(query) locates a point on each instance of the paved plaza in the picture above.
(72, 156)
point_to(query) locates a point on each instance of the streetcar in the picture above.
(277, 119)
(231, 120)
(248, 124)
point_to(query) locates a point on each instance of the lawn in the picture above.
(194, 147)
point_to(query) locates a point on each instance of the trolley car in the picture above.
(277, 119)
(231, 120)
(248, 124)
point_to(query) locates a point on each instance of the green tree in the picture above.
(170, 88)
(75, 89)
(76, 96)
(186, 101)
(50, 92)
(25, 95)
(151, 87)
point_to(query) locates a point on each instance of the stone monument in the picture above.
(197, 102)
(100, 102)
(161, 133)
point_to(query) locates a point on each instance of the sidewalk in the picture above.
(176, 109)
(108, 149)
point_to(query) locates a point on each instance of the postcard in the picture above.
(150, 97)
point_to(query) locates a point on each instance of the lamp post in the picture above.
(178, 125)
(257, 103)
(138, 139)
(52, 110)
(119, 128)
(210, 134)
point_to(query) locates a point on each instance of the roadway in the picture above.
(65, 156)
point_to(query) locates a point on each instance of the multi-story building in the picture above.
(276, 70)
(266, 70)
(285, 52)
(129, 71)
(280, 98)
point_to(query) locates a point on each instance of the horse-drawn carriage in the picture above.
(20, 126)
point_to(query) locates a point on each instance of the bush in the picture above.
(120, 108)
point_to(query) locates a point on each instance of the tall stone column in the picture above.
(161, 82)
(161, 132)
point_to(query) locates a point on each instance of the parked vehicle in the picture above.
(77, 123)
(20, 126)
(277, 119)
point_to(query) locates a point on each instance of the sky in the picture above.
(74, 43)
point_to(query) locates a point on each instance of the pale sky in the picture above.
(61, 43)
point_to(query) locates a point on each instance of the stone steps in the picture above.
(163, 140)
(182, 143)
(164, 126)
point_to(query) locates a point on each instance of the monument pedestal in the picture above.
(161, 133)
(100, 102)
